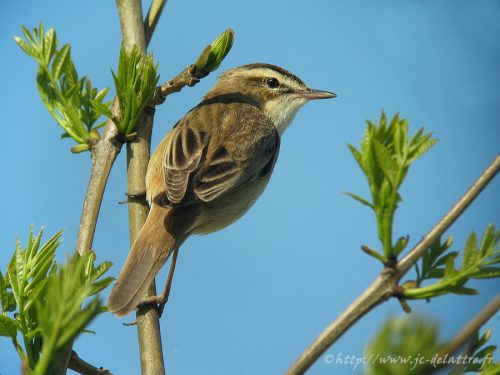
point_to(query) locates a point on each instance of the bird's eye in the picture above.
(272, 83)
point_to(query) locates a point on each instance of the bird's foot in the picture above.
(158, 302)
(135, 197)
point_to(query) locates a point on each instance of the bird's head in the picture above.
(276, 91)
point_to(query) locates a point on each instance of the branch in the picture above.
(471, 328)
(148, 325)
(152, 18)
(450, 217)
(386, 285)
(80, 366)
(104, 154)
(185, 78)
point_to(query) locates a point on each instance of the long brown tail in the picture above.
(150, 251)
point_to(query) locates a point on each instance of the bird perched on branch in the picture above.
(210, 169)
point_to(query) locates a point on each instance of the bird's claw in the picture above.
(153, 301)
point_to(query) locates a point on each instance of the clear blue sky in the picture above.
(249, 299)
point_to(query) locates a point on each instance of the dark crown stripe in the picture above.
(275, 68)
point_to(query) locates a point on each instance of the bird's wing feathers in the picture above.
(217, 175)
(194, 169)
(182, 156)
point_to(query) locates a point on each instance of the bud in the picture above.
(212, 56)
(80, 148)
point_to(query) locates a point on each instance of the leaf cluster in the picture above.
(385, 156)
(479, 261)
(45, 304)
(67, 97)
(135, 84)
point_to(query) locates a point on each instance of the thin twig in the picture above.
(82, 367)
(152, 18)
(188, 77)
(386, 284)
(471, 327)
(450, 217)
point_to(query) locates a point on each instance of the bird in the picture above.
(210, 168)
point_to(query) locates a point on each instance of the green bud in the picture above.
(95, 134)
(410, 284)
(80, 148)
(400, 245)
(214, 54)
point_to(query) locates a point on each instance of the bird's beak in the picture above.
(311, 94)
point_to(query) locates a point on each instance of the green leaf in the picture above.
(357, 155)
(101, 109)
(26, 47)
(28, 35)
(486, 273)
(63, 312)
(462, 290)
(100, 285)
(49, 43)
(421, 147)
(135, 83)
(61, 59)
(65, 95)
(450, 270)
(8, 327)
(359, 199)
(444, 259)
(99, 97)
(489, 240)
(470, 252)
(385, 162)
(101, 269)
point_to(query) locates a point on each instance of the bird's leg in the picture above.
(161, 299)
(135, 197)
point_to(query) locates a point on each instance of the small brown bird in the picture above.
(211, 168)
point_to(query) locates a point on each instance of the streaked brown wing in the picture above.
(222, 173)
(216, 176)
(182, 156)
(202, 163)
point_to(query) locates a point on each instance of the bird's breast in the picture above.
(227, 209)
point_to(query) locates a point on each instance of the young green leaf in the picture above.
(385, 162)
(384, 157)
(60, 61)
(361, 200)
(477, 263)
(65, 95)
(8, 326)
(135, 83)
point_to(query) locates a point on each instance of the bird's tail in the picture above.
(150, 251)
